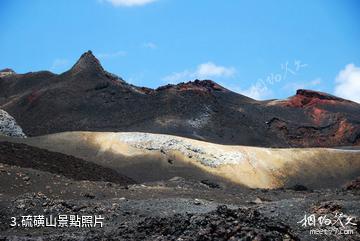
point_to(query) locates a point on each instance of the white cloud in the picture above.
(111, 55)
(347, 84)
(59, 65)
(315, 82)
(210, 69)
(257, 91)
(203, 71)
(302, 85)
(149, 45)
(175, 78)
(129, 3)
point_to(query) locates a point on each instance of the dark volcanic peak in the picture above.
(44, 103)
(200, 85)
(87, 62)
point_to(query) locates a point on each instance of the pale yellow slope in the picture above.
(147, 157)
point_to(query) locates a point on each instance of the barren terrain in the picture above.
(192, 161)
(168, 195)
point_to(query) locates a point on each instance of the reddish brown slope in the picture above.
(331, 120)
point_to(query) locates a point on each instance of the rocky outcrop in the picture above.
(196, 85)
(87, 62)
(6, 72)
(8, 126)
(353, 185)
(223, 223)
(310, 98)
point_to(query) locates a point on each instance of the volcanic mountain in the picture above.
(88, 98)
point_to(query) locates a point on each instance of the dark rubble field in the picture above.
(174, 209)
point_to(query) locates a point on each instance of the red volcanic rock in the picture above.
(317, 94)
(327, 120)
(318, 114)
(309, 98)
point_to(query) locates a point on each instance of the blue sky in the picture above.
(265, 49)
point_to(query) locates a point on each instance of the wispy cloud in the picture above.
(347, 83)
(177, 77)
(256, 91)
(149, 45)
(203, 71)
(260, 91)
(128, 3)
(59, 65)
(111, 55)
(302, 85)
(210, 69)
